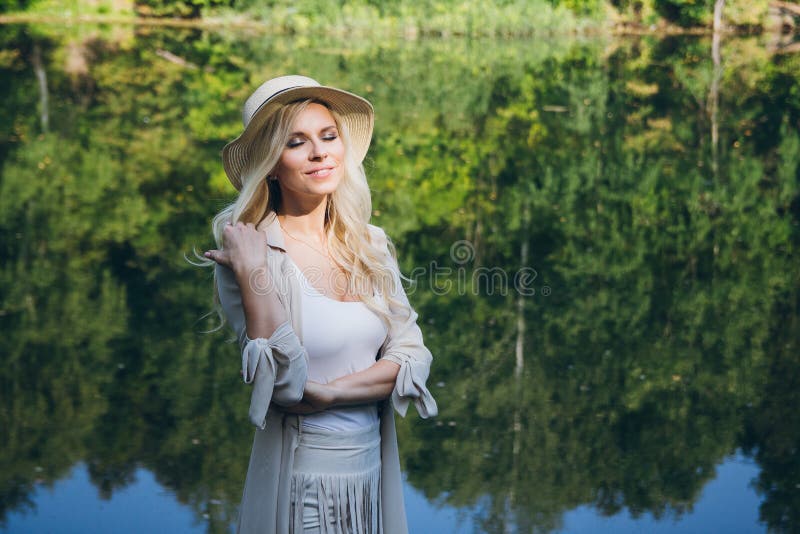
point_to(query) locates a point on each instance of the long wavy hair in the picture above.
(348, 212)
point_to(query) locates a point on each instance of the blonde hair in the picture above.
(347, 215)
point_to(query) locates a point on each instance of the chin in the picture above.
(323, 189)
(326, 186)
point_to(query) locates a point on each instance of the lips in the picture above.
(320, 172)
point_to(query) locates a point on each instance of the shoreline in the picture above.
(590, 27)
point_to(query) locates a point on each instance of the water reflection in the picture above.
(144, 505)
(657, 338)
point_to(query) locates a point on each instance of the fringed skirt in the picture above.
(336, 482)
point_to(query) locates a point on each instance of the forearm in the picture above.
(370, 385)
(262, 310)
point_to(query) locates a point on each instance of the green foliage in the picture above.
(13, 5)
(691, 13)
(640, 243)
(75, 8)
(686, 12)
(411, 18)
(583, 7)
(179, 8)
(664, 344)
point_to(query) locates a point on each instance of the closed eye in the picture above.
(294, 143)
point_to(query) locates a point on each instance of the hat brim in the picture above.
(356, 113)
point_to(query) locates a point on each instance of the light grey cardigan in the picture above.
(277, 368)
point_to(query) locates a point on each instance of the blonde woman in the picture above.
(328, 338)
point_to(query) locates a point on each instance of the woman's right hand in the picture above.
(244, 249)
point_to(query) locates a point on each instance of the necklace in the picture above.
(306, 243)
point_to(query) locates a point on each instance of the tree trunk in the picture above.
(41, 77)
(519, 365)
(713, 97)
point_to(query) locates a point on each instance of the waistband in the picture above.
(338, 452)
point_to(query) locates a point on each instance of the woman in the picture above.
(327, 334)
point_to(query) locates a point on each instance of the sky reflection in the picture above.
(73, 505)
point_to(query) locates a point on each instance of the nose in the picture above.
(318, 151)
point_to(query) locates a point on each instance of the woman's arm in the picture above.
(373, 384)
(272, 358)
(263, 311)
(405, 347)
(245, 253)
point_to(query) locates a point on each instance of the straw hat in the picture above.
(356, 113)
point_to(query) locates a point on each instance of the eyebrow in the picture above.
(326, 128)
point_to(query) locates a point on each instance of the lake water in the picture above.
(600, 232)
(727, 505)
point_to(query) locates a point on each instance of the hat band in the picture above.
(267, 101)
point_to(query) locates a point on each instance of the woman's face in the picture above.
(312, 162)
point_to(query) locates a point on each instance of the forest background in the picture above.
(637, 196)
(427, 17)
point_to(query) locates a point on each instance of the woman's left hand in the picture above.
(316, 398)
(319, 396)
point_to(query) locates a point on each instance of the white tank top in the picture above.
(340, 338)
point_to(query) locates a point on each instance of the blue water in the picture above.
(728, 505)
(73, 505)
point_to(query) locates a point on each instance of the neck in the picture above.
(305, 218)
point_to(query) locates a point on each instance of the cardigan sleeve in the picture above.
(276, 367)
(405, 347)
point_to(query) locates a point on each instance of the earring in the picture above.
(272, 178)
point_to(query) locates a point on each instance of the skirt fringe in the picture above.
(336, 483)
(346, 504)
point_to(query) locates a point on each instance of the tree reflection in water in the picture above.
(657, 332)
